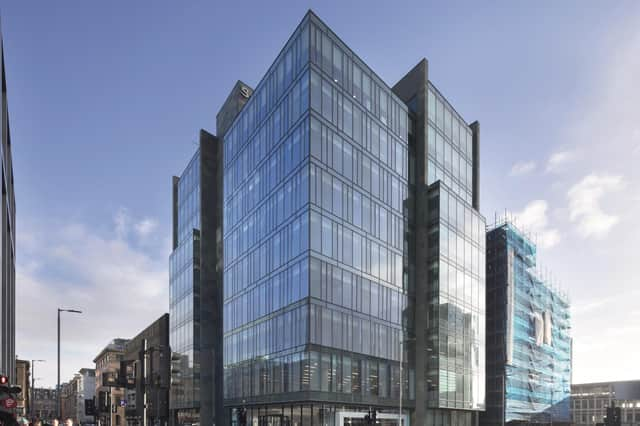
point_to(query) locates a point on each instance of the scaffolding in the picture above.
(537, 331)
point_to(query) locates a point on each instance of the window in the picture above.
(327, 246)
(337, 63)
(316, 93)
(431, 137)
(316, 234)
(327, 100)
(357, 125)
(440, 114)
(348, 118)
(384, 99)
(366, 90)
(357, 83)
(432, 106)
(326, 54)
(447, 123)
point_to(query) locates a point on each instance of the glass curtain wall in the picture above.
(456, 270)
(266, 232)
(315, 175)
(184, 276)
(359, 181)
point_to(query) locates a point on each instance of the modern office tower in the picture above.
(591, 400)
(446, 266)
(195, 328)
(8, 213)
(528, 336)
(353, 247)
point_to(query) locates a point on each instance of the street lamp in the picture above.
(33, 383)
(58, 407)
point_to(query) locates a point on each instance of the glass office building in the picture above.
(353, 269)
(184, 265)
(8, 267)
(195, 308)
(528, 333)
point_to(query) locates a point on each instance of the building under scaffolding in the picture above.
(528, 336)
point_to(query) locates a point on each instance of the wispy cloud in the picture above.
(125, 223)
(119, 287)
(122, 222)
(522, 168)
(534, 218)
(584, 204)
(558, 160)
(145, 227)
(592, 305)
(635, 139)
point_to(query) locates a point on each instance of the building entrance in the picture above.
(355, 418)
(274, 420)
(361, 422)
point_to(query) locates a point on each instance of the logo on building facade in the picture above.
(244, 91)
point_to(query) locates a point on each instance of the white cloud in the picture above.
(120, 289)
(593, 305)
(584, 204)
(635, 139)
(145, 227)
(534, 218)
(522, 168)
(559, 159)
(125, 223)
(122, 222)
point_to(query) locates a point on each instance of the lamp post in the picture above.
(58, 407)
(33, 383)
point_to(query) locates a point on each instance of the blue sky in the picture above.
(106, 100)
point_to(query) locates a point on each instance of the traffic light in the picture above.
(4, 380)
(242, 417)
(614, 416)
(89, 407)
(370, 418)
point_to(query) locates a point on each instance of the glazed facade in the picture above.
(8, 241)
(320, 277)
(184, 292)
(456, 275)
(316, 171)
